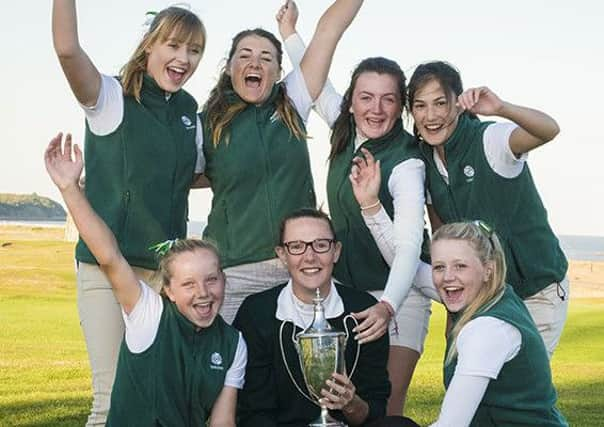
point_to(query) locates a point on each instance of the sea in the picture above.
(578, 248)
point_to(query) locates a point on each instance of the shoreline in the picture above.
(586, 277)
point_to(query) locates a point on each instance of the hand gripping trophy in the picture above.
(321, 352)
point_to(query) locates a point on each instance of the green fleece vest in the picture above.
(512, 206)
(361, 264)
(259, 173)
(176, 381)
(138, 176)
(523, 393)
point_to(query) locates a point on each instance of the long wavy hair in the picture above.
(182, 24)
(342, 132)
(220, 110)
(487, 248)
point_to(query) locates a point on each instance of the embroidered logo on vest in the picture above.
(187, 122)
(216, 361)
(468, 171)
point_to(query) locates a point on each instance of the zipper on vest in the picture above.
(123, 231)
(267, 168)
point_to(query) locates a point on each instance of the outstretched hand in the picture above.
(287, 18)
(365, 177)
(480, 100)
(373, 323)
(63, 164)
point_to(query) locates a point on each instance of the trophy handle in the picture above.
(289, 372)
(356, 358)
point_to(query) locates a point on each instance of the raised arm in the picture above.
(82, 75)
(317, 59)
(65, 173)
(535, 127)
(327, 104)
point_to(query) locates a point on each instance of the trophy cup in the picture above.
(320, 352)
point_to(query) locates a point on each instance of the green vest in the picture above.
(361, 264)
(512, 206)
(176, 381)
(523, 393)
(138, 176)
(259, 174)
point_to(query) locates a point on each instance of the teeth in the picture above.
(177, 70)
(310, 270)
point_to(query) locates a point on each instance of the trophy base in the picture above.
(326, 420)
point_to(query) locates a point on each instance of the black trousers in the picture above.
(393, 422)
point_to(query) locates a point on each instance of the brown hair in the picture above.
(446, 75)
(182, 23)
(342, 131)
(488, 250)
(220, 111)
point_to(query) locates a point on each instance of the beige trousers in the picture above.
(103, 327)
(549, 309)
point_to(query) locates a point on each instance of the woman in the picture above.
(255, 148)
(141, 156)
(380, 226)
(496, 369)
(180, 363)
(478, 170)
(267, 320)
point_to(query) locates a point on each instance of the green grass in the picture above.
(44, 377)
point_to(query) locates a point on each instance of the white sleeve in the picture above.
(406, 185)
(461, 401)
(503, 161)
(235, 376)
(423, 281)
(484, 345)
(327, 105)
(106, 115)
(200, 164)
(298, 92)
(142, 323)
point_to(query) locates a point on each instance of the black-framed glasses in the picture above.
(486, 229)
(298, 247)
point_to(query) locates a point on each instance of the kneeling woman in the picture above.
(496, 368)
(180, 364)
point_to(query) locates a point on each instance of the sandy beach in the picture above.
(586, 277)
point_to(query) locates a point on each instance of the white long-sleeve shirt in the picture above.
(399, 240)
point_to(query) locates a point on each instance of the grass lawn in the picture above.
(44, 378)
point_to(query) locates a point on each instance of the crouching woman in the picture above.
(496, 368)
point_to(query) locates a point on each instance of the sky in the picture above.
(546, 55)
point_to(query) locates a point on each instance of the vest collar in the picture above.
(233, 98)
(455, 142)
(152, 94)
(188, 329)
(378, 144)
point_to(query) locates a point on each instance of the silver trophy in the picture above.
(321, 352)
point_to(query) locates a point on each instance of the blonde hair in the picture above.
(220, 111)
(163, 274)
(487, 248)
(184, 25)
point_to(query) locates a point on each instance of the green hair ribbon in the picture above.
(162, 248)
